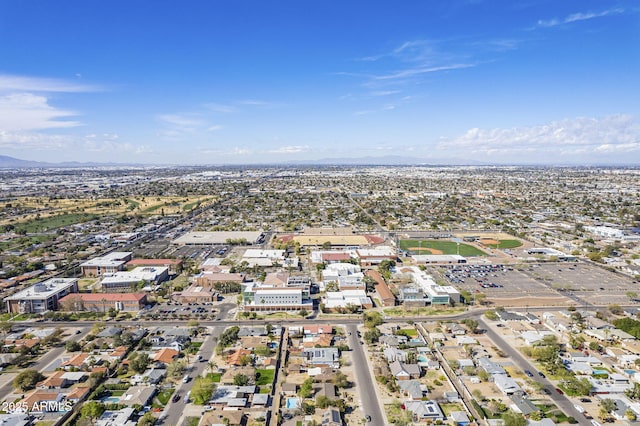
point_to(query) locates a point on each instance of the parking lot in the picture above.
(578, 281)
(496, 281)
(588, 282)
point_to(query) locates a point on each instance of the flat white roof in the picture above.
(140, 273)
(109, 259)
(269, 254)
(218, 237)
(44, 289)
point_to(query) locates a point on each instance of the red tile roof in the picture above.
(107, 297)
(154, 262)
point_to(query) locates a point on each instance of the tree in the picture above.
(72, 346)
(577, 387)
(139, 362)
(608, 405)
(27, 379)
(241, 380)
(633, 393)
(385, 268)
(615, 309)
(147, 420)
(372, 319)
(303, 313)
(481, 299)
(306, 389)
(92, 410)
(202, 390)
(371, 336)
(511, 418)
(340, 380)
(471, 324)
(632, 295)
(176, 369)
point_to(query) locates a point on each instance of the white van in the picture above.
(185, 379)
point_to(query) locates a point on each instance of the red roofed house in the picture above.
(102, 302)
(236, 357)
(314, 330)
(41, 400)
(174, 265)
(78, 393)
(54, 381)
(78, 361)
(165, 355)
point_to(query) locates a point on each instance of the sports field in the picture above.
(501, 244)
(439, 247)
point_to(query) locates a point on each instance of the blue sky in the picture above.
(241, 82)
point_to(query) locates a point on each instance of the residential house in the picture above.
(79, 361)
(412, 389)
(138, 395)
(322, 356)
(402, 371)
(329, 417)
(423, 411)
(116, 418)
(165, 356)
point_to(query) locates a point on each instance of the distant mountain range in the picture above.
(7, 162)
(391, 160)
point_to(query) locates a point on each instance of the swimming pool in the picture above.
(293, 403)
(111, 400)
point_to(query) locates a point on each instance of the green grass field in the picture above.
(53, 222)
(266, 377)
(446, 247)
(506, 244)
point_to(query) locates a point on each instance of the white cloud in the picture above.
(26, 111)
(25, 104)
(220, 108)
(183, 121)
(293, 149)
(411, 72)
(17, 83)
(89, 143)
(616, 133)
(181, 125)
(33, 141)
(580, 16)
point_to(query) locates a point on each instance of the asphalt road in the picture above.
(173, 411)
(519, 361)
(366, 386)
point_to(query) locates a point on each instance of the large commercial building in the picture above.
(293, 296)
(102, 302)
(174, 265)
(127, 281)
(41, 297)
(203, 238)
(107, 264)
